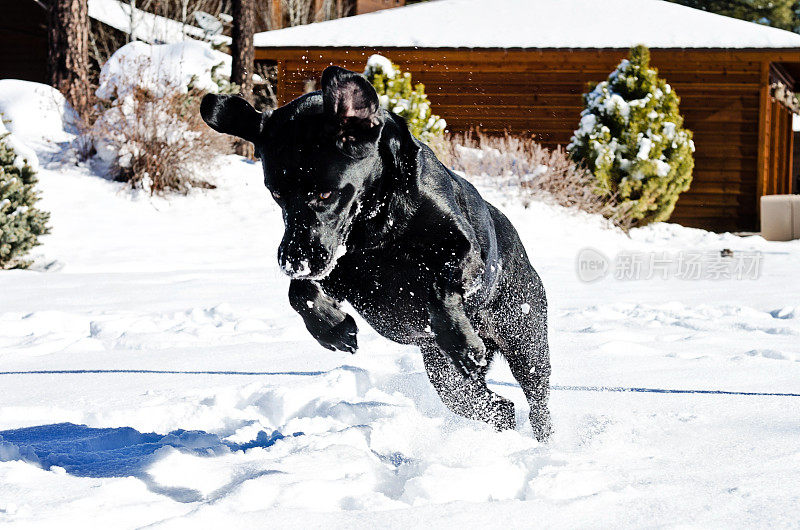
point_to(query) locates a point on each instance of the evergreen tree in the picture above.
(20, 222)
(631, 137)
(395, 93)
(777, 13)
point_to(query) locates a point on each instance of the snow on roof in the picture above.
(534, 24)
(147, 27)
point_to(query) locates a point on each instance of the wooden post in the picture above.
(68, 68)
(280, 75)
(763, 134)
(781, 174)
(775, 148)
(789, 177)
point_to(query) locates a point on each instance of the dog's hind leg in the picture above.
(529, 359)
(535, 383)
(467, 396)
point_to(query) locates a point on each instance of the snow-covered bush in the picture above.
(21, 223)
(525, 168)
(631, 137)
(36, 114)
(396, 93)
(149, 131)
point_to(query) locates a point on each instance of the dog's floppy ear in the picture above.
(351, 105)
(232, 115)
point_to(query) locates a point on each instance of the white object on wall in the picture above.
(780, 217)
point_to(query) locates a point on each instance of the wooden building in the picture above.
(522, 66)
(23, 41)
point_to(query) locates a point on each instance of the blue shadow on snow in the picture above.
(111, 452)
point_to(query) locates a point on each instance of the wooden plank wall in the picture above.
(539, 93)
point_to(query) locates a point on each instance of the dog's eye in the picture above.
(325, 195)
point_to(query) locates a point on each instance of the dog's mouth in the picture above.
(303, 270)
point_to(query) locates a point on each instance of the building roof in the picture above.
(534, 24)
(147, 27)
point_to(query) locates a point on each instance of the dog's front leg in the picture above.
(453, 331)
(333, 328)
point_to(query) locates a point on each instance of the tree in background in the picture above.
(243, 55)
(20, 222)
(242, 51)
(277, 14)
(68, 35)
(777, 13)
(631, 137)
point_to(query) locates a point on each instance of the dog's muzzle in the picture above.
(301, 268)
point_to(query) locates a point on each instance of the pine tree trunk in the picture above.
(68, 31)
(242, 51)
(276, 12)
(243, 54)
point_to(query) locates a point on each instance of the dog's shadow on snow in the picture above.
(116, 452)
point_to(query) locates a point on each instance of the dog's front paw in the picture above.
(471, 357)
(342, 336)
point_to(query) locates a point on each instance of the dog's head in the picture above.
(320, 154)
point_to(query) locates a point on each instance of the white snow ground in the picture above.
(184, 296)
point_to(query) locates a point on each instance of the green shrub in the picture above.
(223, 82)
(20, 222)
(631, 137)
(396, 93)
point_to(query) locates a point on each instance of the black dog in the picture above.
(373, 218)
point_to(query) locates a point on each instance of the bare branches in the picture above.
(527, 169)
